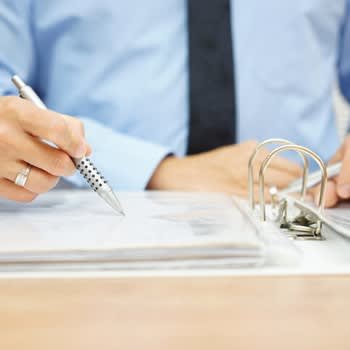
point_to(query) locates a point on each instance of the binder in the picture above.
(299, 218)
(74, 230)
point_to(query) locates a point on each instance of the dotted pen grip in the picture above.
(90, 173)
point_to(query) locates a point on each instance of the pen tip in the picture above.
(112, 200)
(119, 210)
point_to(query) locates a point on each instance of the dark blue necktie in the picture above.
(211, 76)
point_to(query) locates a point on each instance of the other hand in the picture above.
(222, 170)
(338, 188)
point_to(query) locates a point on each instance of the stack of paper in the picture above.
(77, 230)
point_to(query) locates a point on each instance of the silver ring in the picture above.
(22, 176)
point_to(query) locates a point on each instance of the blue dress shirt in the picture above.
(121, 66)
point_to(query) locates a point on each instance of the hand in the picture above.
(222, 170)
(338, 188)
(22, 125)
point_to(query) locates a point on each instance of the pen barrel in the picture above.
(86, 168)
(77, 161)
(315, 177)
(90, 173)
(28, 93)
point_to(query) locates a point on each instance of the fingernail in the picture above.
(344, 191)
(81, 150)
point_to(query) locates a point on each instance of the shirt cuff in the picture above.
(127, 163)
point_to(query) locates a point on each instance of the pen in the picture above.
(314, 178)
(85, 166)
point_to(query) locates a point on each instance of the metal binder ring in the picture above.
(251, 174)
(299, 149)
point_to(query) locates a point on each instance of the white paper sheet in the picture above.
(175, 228)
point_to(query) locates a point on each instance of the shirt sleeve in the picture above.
(126, 162)
(344, 54)
(17, 54)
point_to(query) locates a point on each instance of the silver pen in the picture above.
(86, 168)
(314, 178)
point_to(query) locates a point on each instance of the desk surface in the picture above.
(305, 307)
(297, 307)
(246, 312)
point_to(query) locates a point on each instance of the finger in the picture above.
(88, 150)
(38, 181)
(64, 131)
(10, 191)
(331, 196)
(343, 182)
(40, 155)
(338, 156)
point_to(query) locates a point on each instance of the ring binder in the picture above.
(277, 141)
(306, 224)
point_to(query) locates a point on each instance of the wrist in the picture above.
(162, 177)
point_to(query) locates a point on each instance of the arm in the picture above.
(338, 189)
(127, 162)
(344, 55)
